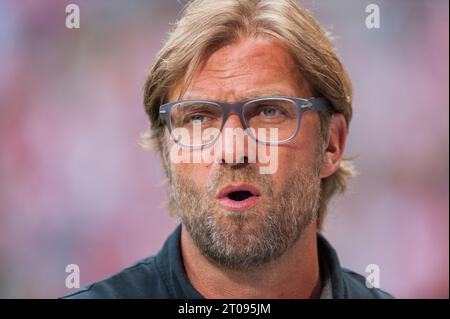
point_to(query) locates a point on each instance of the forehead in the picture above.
(249, 68)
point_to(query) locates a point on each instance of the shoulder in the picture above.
(355, 287)
(142, 280)
(345, 283)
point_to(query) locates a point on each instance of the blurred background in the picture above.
(75, 186)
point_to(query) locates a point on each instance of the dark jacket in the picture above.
(163, 276)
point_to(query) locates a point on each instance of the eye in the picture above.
(270, 111)
(198, 118)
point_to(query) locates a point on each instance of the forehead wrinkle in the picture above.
(252, 94)
(243, 67)
(214, 76)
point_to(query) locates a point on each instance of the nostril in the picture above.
(243, 160)
(240, 161)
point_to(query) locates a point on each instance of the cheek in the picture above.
(289, 160)
(197, 173)
(300, 153)
(194, 172)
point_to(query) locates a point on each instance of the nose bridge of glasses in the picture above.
(233, 109)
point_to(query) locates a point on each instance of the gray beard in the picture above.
(244, 240)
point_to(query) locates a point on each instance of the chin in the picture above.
(238, 223)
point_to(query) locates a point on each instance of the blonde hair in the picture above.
(207, 25)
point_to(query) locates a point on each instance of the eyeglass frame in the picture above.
(320, 104)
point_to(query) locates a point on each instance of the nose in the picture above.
(233, 141)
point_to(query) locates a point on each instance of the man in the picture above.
(266, 72)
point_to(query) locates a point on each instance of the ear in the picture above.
(335, 145)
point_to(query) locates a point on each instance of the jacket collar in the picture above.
(170, 265)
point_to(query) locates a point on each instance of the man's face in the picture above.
(237, 217)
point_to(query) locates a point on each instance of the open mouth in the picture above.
(238, 197)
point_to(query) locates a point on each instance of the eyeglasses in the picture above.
(198, 123)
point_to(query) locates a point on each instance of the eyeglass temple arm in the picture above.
(318, 104)
(163, 112)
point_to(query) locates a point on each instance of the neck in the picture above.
(293, 275)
